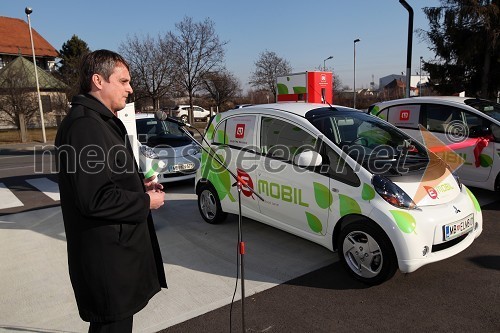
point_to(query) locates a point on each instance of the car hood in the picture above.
(435, 186)
(168, 140)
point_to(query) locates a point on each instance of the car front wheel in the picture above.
(209, 205)
(184, 118)
(367, 253)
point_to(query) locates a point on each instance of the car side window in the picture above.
(439, 118)
(495, 131)
(476, 123)
(283, 140)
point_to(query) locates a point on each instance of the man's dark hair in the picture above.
(101, 62)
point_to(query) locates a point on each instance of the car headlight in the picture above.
(195, 149)
(147, 152)
(392, 193)
(458, 181)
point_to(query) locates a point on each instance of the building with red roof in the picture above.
(16, 41)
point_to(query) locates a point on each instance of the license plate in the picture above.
(458, 228)
(181, 167)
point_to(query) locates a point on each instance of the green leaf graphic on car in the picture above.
(405, 221)
(210, 131)
(474, 200)
(348, 205)
(368, 193)
(323, 196)
(314, 223)
(374, 110)
(217, 175)
(485, 160)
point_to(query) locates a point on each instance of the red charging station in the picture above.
(310, 87)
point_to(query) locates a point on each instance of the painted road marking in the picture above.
(46, 186)
(7, 198)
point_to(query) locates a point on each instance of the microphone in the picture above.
(161, 115)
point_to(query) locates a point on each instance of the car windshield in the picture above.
(490, 108)
(153, 132)
(378, 146)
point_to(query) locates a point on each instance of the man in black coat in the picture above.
(114, 259)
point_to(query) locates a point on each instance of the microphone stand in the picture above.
(240, 183)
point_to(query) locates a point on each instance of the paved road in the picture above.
(291, 285)
(461, 294)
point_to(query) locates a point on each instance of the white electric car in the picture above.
(341, 178)
(469, 126)
(164, 150)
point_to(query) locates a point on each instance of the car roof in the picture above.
(428, 99)
(297, 108)
(144, 115)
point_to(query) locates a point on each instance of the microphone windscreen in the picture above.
(160, 115)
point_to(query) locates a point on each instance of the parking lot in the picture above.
(291, 284)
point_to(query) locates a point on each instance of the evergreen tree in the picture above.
(71, 53)
(464, 35)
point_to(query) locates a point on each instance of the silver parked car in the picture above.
(165, 150)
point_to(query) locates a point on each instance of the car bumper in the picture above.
(424, 242)
(174, 177)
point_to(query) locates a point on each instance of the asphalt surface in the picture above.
(292, 285)
(460, 294)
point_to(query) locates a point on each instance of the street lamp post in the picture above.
(410, 42)
(324, 62)
(28, 11)
(354, 84)
(420, 88)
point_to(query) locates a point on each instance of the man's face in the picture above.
(115, 91)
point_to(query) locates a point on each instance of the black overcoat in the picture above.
(114, 259)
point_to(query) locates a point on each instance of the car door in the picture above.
(241, 158)
(198, 112)
(291, 193)
(455, 128)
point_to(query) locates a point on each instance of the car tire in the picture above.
(497, 184)
(184, 118)
(367, 253)
(209, 204)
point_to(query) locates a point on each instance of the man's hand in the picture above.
(156, 198)
(150, 184)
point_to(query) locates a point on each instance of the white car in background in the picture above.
(165, 150)
(470, 126)
(181, 112)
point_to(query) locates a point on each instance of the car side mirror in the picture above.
(308, 158)
(479, 131)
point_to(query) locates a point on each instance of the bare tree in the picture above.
(18, 99)
(222, 86)
(267, 68)
(197, 50)
(151, 66)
